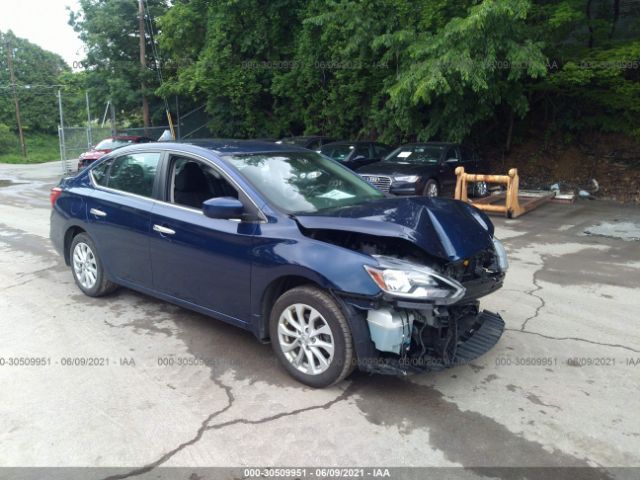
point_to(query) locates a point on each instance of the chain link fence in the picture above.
(74, 141)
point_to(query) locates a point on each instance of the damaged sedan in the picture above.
(290, 245)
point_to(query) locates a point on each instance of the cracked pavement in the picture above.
(176, 389)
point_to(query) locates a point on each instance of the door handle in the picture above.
(163, 230)
(97, 213)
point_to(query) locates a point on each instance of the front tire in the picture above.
(311, 337)
(431, 189)
(87, 268)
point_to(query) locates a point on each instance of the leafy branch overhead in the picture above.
(386, 69)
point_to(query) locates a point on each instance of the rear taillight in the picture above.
(55, 193)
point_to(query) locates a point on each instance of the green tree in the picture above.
(35, 69)
(110, 32)
(472, 68)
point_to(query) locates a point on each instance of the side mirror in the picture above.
(360, 157)
(223, 208)
(452, 160)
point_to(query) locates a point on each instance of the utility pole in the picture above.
(63, 147)
(89, 136)
(9, 49)
(143, 64)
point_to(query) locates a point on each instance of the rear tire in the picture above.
(431, 189)
(87, 268)
(311, 337)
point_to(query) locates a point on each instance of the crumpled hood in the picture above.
(443, 228)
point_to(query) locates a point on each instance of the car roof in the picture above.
(305, 137)
(345, 142)
(220, 146)
(434, 144)
(228, 146)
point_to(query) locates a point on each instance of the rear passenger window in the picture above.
(134, 173)
(100, 172)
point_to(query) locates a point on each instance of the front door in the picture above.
(203, 261)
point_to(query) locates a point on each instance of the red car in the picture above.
(106, 146)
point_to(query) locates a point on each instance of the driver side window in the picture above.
(193, 182)
(452, 153)
(361, 151)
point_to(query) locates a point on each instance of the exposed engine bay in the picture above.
(432, 332)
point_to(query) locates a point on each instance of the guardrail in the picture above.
(512, 206)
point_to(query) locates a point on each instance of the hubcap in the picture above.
(305, 339)
(432, 190)
(84, 265)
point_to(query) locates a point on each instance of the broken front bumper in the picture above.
(480, 335)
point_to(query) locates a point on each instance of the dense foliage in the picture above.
(404, 70)
(487, 71)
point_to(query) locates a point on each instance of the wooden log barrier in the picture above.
(512, 207)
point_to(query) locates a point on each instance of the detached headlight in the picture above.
(501, 255)
(408, 280)
(407, 178)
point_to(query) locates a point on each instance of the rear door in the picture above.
(119, 214)
(203, 261)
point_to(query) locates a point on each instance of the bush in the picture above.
(8, 141)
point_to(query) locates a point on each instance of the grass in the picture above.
(40, 148)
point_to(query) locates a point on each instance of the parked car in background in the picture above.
(426, 169)
(290, 245)
(356, 154)
(107, 145)
(310, 142)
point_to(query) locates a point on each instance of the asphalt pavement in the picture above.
(132, 382)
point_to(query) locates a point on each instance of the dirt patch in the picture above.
(612, 160)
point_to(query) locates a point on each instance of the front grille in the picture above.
(381, 182)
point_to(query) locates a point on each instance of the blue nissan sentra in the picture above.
(288, 244)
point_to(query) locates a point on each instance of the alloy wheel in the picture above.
(306, 339)
(432, 190)
(85, 265)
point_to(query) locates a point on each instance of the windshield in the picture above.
(303, 182)
(416, 154)
(337, 152)
(111, 144)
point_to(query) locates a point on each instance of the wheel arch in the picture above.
(69, 235)
(273, 291)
